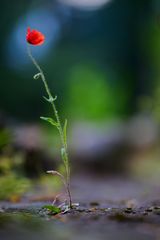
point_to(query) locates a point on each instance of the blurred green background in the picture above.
(105, 50)
(102, 60)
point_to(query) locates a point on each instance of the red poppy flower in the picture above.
(34, 37)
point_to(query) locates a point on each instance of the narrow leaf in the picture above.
(36, 76)
(55, 98)
(63, 152)
(65, 132)
(52, 209)
(51, 99)
(47, 99)
(50, 120)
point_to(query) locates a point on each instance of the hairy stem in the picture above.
(59, 125)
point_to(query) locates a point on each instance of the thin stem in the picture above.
(60, 175)
(59, 125)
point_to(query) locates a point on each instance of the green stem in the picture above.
(59, 125)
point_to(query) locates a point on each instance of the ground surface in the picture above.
(110, 208)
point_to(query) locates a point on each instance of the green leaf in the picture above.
(36, 76)
(63, 152)
(50, 99)
(65, 132)
(52, 209)
(64, 156)
(50, 120)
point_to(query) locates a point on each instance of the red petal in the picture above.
(35, 37)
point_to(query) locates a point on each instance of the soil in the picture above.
(109, 209)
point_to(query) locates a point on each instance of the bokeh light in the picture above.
(40, 19)
(86, 4)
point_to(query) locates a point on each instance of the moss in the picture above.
(12, 187)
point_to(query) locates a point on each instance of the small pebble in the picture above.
(128, 210)
(80, 210)
(94, 204)
(150, 209)
(157, 207)
(92, 209)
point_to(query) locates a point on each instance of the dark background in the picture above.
(109, 53)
